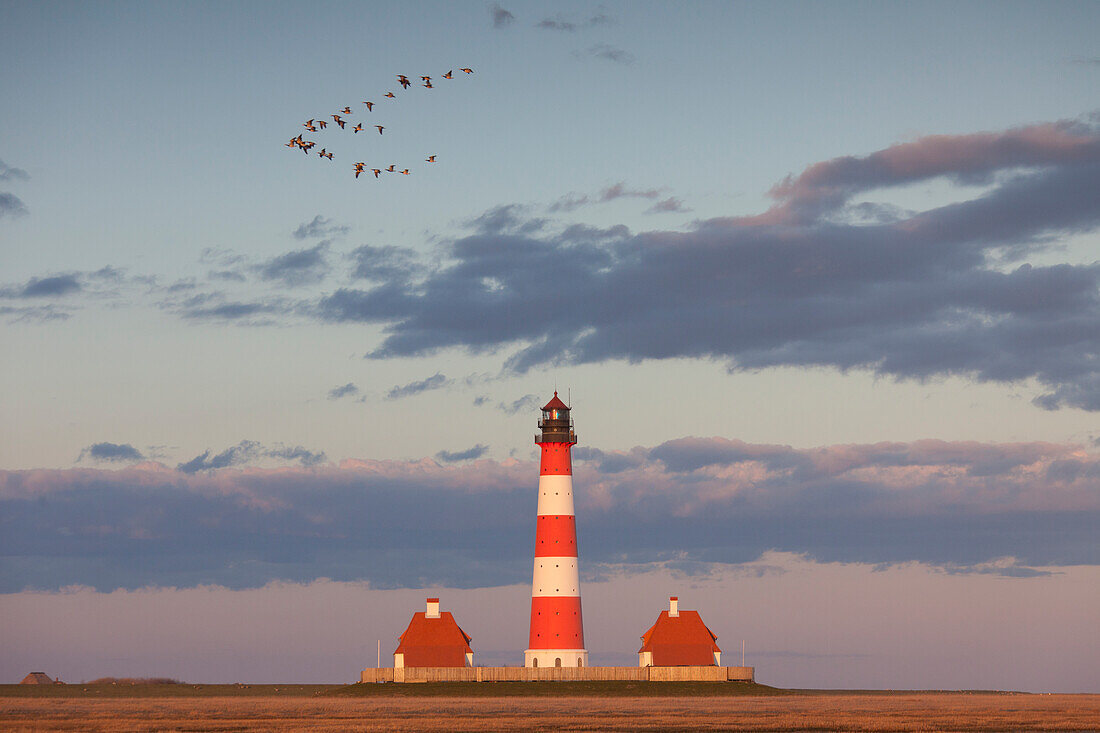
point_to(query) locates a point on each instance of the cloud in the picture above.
(436, 381)
(111, 452)
(244, 451)
(978, 508)
(561, 23)
(320, 228)
(217, 306)
(466, 455)
(501, 17)
(347, 390)
(573, 201)
(247, 451)
(384, 263)
(296, 453)
(608, 52)
(667, 206)
(52, 286)
(226, 275)
(526, 403)
(919, 295)
(507, 219)
(34, 313)
(8, 173)
(298, 267)
(10, 205)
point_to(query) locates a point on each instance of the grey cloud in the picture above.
(507, 219)
(501, 17)
(573, 201)
(666, 206)
(526, 403)
(481, 400)
(304, 456)
(298, 267)
(619, 190)
(111, 452)
(226, 275)
(244, 451)
(561, 23)
(230, 311)
(466, 455)
(610, 462)
(384, 263)
(608, 52)
(347, 390)
(247, 451)
(319, 228)
(34, 313)
(436, 381)
(556, 24)
(9, 173)
(920, 296)
(53, 286)
(221, 257)
(10, 205)
(392, 523)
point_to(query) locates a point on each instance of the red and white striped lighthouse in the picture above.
(557, 634)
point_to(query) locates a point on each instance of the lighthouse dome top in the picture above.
(555, 404)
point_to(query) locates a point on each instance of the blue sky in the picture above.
(820, 280)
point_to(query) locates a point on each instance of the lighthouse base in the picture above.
(555, 658)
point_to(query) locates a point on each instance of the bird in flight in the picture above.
(431, 159)
(376, 171)
(309, 126)
(323, 154)
(391, 168)
(340, 122)
(406, 171)
(403, 81)
(322, 124)
(468, 71)
(391, 95)
(346, 110)
(358, 128)
(369, 105)
(448, 75)
(359, 168)
(380, 128)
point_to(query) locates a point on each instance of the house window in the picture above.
(535, 662)
(557, 661)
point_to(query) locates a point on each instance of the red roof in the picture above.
(555, 404)
(680, 640)
(434, 642)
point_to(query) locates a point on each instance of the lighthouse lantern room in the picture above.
(557, 633)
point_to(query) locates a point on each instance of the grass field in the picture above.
(301, 708)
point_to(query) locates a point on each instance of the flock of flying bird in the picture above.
(316, 124)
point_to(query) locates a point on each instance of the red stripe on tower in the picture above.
(557, 634)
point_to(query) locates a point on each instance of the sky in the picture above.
(820, 282)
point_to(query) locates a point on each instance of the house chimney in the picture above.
(432, 611)
(673, 606)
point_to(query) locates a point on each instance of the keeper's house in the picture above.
(433, 639)
(679, 639)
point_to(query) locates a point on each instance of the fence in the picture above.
(558, 674)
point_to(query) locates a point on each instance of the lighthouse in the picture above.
(557, 634)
